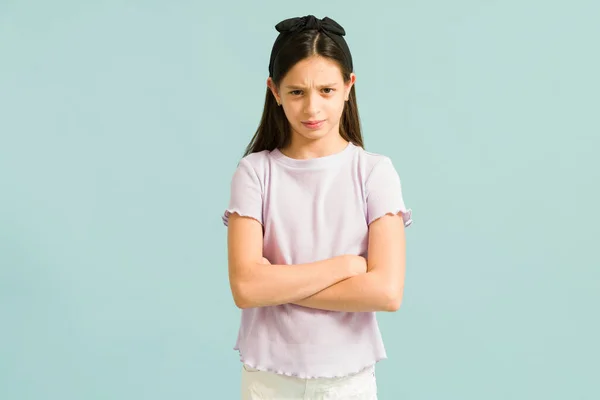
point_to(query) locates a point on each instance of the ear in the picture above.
(348, 85)
(271, 85)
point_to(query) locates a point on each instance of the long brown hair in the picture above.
(274, 129)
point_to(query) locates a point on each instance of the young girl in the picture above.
(315, 229)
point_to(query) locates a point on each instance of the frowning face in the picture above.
(313, 95)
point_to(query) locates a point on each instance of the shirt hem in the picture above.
(272, 369)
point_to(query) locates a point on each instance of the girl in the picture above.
(315, 229)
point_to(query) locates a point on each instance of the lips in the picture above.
(313, 124)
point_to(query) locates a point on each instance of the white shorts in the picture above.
(260, 385)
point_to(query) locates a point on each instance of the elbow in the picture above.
(393, 305)
(242, 306)
(243, 302)
(393, 299)
(389, 291)
(240, 297)
(240, 302)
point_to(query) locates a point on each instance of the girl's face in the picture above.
(313, 95)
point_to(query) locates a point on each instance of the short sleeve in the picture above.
(384, 193)
(246, 194)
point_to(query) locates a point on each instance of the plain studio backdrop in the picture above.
(121, 123)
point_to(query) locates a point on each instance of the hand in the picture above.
(265, 261)
(357, 264)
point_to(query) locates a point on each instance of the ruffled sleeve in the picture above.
(384, 193)
(246, 194)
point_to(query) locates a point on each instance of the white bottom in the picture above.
(260, 385)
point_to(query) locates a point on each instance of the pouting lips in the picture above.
(313, 124)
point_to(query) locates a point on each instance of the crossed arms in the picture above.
(343, 283)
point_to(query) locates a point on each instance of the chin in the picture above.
(313, 135)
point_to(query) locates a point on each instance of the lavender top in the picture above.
(313, 210)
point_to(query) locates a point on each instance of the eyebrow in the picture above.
(320, 86)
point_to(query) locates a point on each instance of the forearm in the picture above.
(268, 285)
(361, 293)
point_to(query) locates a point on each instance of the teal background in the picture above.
(121, 123)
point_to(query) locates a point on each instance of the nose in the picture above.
(311, 105)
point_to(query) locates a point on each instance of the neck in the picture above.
(303, 149)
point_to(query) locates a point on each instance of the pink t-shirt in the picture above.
(313, 210)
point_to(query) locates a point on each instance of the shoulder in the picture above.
(252, 169)
(255, 161)
(371, 161)
(257, 157)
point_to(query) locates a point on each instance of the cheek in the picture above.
(338, 108)
(292, 113)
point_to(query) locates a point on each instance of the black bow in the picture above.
(329, 27)
(310, 22)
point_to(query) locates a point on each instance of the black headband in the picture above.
(329, 27)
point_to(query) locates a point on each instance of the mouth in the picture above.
(313, 124)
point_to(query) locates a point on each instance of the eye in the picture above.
(328, 90)
(296, 92)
